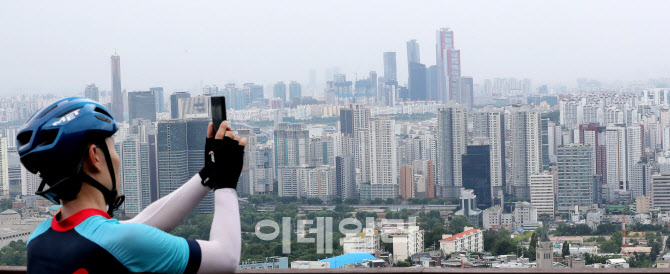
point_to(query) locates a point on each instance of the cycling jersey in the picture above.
(90, 242)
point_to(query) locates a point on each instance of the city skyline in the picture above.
(539, 44)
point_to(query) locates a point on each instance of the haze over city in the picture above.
(59, 47)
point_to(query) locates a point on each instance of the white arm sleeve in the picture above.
(166, 213)
(221, 254)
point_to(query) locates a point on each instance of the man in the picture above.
(70, 144)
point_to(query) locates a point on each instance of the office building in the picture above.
(465, 95)
(452, 141)
(417, 82)
(542, 193)
(160, 99)
(294, 91)
(194, 107)
(142, 105)
(469, 206)
(264, 174)
(390, 69)
(180, 150)
(92, 92)
(256, 92)
(117, 95)
(279, 91)
(174, 103)
(413, 54)
(431, 83)
(660, 197)
(448, 64)
(576, 182)
(477, 174)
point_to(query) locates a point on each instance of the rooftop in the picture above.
(460, 235)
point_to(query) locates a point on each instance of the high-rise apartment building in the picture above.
(624, 150)
(92, 92)
(142, 105)
(384, 167)
(452, 123)
(322, 151)
(489, 123)
(357, 141)
(345, 172)
(135, 174)
(526, 146)
(4, 167)
(117, 95)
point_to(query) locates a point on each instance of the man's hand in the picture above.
(224, 155)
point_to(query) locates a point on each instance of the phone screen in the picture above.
(218, 110)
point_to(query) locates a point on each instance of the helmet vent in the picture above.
(24, 137)
(100, 110)
(66, 113)
(47, 112)
(48, 137)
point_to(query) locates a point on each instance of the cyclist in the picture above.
(70, 144)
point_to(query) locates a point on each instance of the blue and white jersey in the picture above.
(90, 242)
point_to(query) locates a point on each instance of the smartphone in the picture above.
(218, 110)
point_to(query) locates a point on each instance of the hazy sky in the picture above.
(60, 47)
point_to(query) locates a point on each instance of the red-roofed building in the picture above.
(470, 240)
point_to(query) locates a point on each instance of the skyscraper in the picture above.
(576, 181)
(452, 126)
(142, 105)
(117, 95)
(477, 174)
(406, 182)
(160, 99)
(390, 74)
(256, 92)
(294, 90)
(180, 148)
(384, 164)
(174, 103)
(417, 82)
(431, 82)
(413, 55)
(92, 92)
(526, 145)
(291, 146)
(279, 91)
(448, 63)
(465, 94)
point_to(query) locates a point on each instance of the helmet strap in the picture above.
(113, 202)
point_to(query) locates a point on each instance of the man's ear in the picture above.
(92, 159)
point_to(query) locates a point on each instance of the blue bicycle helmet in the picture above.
(53, 142)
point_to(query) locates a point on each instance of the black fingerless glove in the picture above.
(224, 160)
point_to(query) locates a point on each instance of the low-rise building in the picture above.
(367, 241)
(470, 240)
(269, 263)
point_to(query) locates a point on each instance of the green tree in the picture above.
(6, 204)
(457, 224)
(404, 263)
(532, 246)
(566, 249)
(14, 254)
